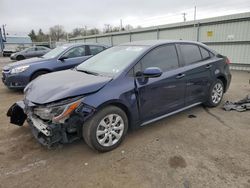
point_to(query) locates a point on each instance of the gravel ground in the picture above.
(211, 150)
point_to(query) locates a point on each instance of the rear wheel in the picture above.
(215, 95)
(39, 73)
(106, 130)
(20, 57)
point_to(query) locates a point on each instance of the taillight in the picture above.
(227, 61)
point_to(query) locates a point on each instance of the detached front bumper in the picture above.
(46, 132)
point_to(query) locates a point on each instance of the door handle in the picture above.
(208, 66)
(180, 76)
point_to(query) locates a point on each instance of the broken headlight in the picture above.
(57, 113)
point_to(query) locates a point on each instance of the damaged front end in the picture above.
(57, 122)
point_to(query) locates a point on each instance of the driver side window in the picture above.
(164, 57)
(75, 52)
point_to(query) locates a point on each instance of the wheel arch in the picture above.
(224, 81)
(40, 70)
(120, 105)
(20, 55)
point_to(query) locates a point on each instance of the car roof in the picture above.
(157, 42)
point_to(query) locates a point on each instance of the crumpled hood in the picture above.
(63, 84)
(25, 62)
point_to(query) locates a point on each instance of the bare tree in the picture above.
(77, 32)
(57, 32)
(107, 28)
(128, 27)
(93, 31)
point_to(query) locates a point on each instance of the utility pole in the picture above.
(50, 45)
(1, 43)
(120, 24)
(4, 35)
(184, 16)
(85, 30)
(194, 13)
(67, 35)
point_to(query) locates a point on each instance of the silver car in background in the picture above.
(36, 51)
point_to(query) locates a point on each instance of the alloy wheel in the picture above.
(217, 93)
(110, 130)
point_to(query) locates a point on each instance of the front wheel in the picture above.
(106, 129)
(215, 95)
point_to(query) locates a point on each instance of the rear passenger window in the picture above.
(95, 49)
(204, 53)
(190, 53)
(164, 57)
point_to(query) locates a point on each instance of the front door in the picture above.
(73, 57)
(164, 94)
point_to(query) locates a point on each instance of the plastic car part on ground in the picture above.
(240, 106)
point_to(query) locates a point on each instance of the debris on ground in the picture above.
(192, 116)
(240, 106)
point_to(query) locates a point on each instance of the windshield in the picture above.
(55, 52)
(111, 61)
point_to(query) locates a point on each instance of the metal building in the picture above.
(228, 35)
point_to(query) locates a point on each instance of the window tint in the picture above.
(191, 53)
(75, 52)
(95, 49)
(204, 53)
(164, 57)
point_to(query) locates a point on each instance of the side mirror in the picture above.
(63, 58)
(152, 72)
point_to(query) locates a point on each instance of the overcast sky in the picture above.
(20, 16)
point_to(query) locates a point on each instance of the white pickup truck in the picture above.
(16, 43)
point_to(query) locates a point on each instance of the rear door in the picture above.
(73, 57)
(197, 66)
(164, 94)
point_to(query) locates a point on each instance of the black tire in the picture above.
(210, 102)
(20, 57)
(91, 126)
(36, 74)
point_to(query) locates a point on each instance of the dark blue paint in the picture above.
(144, 99)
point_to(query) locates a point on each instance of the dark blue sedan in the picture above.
(18, 75)
(127, 86)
